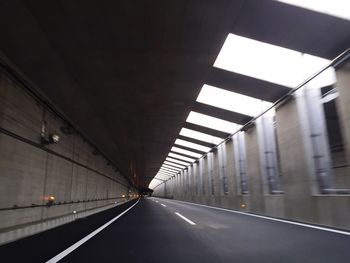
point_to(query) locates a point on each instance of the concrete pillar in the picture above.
(295, 164)
(343, 107)
(256, 192)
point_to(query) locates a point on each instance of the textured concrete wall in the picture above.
(30, 172)
(343, 104)
(301, 199)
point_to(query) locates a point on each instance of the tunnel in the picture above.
(175, 131)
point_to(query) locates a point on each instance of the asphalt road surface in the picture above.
(162, 230)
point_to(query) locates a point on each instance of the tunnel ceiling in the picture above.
(127, 73)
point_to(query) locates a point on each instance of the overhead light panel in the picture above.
(174, 164)
(267, 62)
(212, 122)
(181, 157)
(186, 152)
(177, 161)
(338, 8)
(192, 145)
(232, 101)
(200, 136)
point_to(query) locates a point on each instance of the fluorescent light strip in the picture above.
(338, 8)
(270, 62)
(171, 167)
(212, 122)
(181, 157)
(177, 161)
(174, 164)
(186, 152)
(232, 101)
(200, 136)
(192, 145)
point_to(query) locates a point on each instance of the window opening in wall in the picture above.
(240, 162)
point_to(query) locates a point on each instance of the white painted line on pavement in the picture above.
(83, 240)
(270, 218)
(163, 205)
(184, 218)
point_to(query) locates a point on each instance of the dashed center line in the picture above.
(186, 219)
(163, 205)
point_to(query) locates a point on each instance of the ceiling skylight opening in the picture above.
(186, 152)
(171, 168)
(267, 62)
(163, 169)
(163, 176)
(200, 136)
(232, 101)
(338, 8)
(177, 161)
(212, 122)
(192, 145)
(165, 172)
(174, 164)
(153, 183)
(181, 157)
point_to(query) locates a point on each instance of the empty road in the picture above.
(162, 230)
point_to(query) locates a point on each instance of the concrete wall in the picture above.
(30, 172)
(301, 198)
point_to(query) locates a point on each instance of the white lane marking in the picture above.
(83, 240)
(271, 218)
(163, 205)
(156, 201)
(186, 219)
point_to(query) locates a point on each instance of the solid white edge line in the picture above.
(83, 240)
(163, 205)
(186, 219)
(270, 218)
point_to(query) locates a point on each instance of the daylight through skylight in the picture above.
(186, 152)
(266, 61)
(181, 157)
(212, 122)
(200, 136)
(338, 8)
(192, 145)
(177, 161)
(175, 164)
(232, 101)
